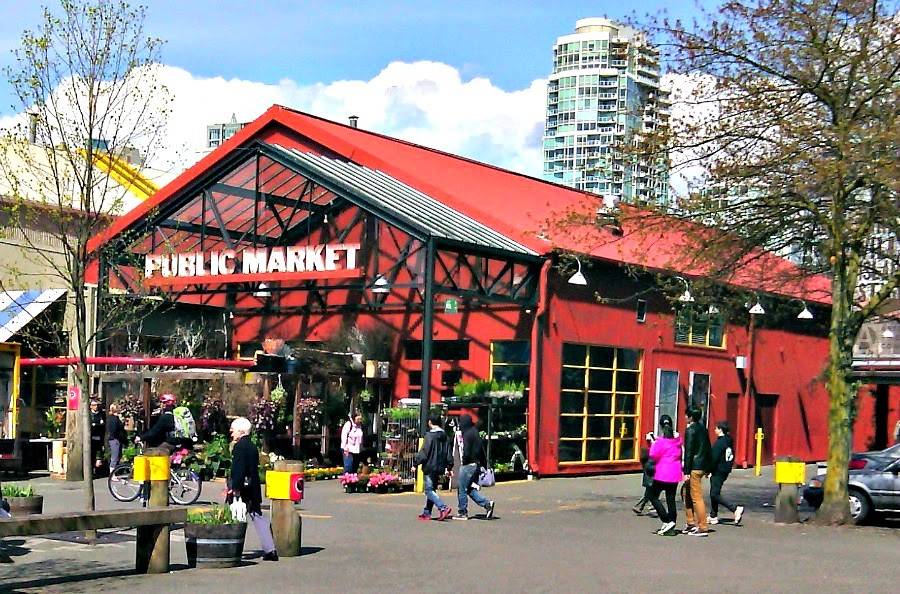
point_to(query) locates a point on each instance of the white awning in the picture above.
(17, 308)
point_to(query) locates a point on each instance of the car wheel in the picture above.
(859, 506)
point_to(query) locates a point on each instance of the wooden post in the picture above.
(152, 551)
(287, 525)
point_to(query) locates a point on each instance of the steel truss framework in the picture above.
(259, 196)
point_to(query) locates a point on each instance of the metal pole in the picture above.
(427, 338)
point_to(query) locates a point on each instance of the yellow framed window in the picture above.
(599, 403)
(696, 326)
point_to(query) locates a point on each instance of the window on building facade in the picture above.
(510, 360)
(598, 403)
(699, 391)
(698, 327)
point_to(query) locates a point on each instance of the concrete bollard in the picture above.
(287, 525)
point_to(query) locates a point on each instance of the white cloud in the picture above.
(424, 102)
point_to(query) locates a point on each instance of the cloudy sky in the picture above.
(464, 77)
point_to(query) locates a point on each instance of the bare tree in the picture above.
(85, 80)
(786, 114)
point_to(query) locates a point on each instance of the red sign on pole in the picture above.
(74, 397)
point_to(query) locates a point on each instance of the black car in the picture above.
(873, 488)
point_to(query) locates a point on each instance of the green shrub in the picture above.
(218, 514)
(16, 491)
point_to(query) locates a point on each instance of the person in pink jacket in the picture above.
(665, 454)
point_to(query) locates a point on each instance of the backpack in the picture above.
(185, 427)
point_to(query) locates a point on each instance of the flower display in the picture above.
(383, 478)
(262, 414)
(349, 478)
(310, 411)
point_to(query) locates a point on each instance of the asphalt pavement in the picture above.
(549, 535)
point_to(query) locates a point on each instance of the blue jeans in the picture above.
(431, 496)
(467, 475)
(350, 463)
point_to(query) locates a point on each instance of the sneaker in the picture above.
(490, 510)
(712, 520)
(424, 517)
(667, 527)
(738, 514)
(698, 532)
(445, 513)
(637, 511)
(688, 529)
(461, 517)
(271, 556)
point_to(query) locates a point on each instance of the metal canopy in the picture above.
(402, 202)
(266, 195)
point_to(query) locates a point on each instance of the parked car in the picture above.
(892, 452)
(873, 488)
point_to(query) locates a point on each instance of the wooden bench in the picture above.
(152, 525)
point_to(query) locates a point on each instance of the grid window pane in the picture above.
(605, 381)
(571, 402)
(571, 426)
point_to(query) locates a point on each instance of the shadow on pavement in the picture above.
(64, 571)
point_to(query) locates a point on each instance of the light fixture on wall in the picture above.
(578, 278)
(756, 308)
(262, 291)
(804, 314)
(380, 286)
(713, 310)
(888, 333)
(685, 297)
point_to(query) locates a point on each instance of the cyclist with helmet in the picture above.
(162, 433)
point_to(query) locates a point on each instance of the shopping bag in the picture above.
(238, 509)
(486, 479)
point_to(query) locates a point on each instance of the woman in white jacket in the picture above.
(351, 442)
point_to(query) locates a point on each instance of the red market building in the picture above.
(298, 225)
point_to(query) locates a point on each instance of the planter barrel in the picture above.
(24, 506)
(214, 545)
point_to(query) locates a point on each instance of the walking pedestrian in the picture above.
(697, 463)
(436, 458)
(98, 433)
(351, 442)
(723, 462)
(649, 467)
(244, 483)
(115, 437)
(471, 461)
(665, 452)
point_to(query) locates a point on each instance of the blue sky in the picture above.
(331, 58)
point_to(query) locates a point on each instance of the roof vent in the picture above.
(354, 121)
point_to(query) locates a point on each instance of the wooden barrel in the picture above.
(214, 545)
(23, 506)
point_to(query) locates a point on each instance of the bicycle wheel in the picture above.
(122, 485)
(185, 486)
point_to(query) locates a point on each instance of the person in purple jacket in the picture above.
(665, 452)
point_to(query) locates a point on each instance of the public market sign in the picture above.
(336, 260)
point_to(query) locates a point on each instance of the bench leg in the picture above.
(152, 551)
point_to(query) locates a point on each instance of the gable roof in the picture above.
(528, 211)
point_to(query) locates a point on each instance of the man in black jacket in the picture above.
(697, 463)
(162, 433)
(723, 462)
(244, 483)
(471, 461)
(435, 458)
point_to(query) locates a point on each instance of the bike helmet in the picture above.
(167, 399)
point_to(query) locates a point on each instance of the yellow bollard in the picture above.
(420, 476)
(759, 439)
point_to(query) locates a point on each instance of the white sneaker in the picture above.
(665, 528)
(712, 520)
(738, 514)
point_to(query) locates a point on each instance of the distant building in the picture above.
(216, 134)
(603, 93)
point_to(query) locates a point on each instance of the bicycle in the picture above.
(184, 485)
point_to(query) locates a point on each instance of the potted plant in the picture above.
(214, 538)
(23, 500)
(350, 481)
